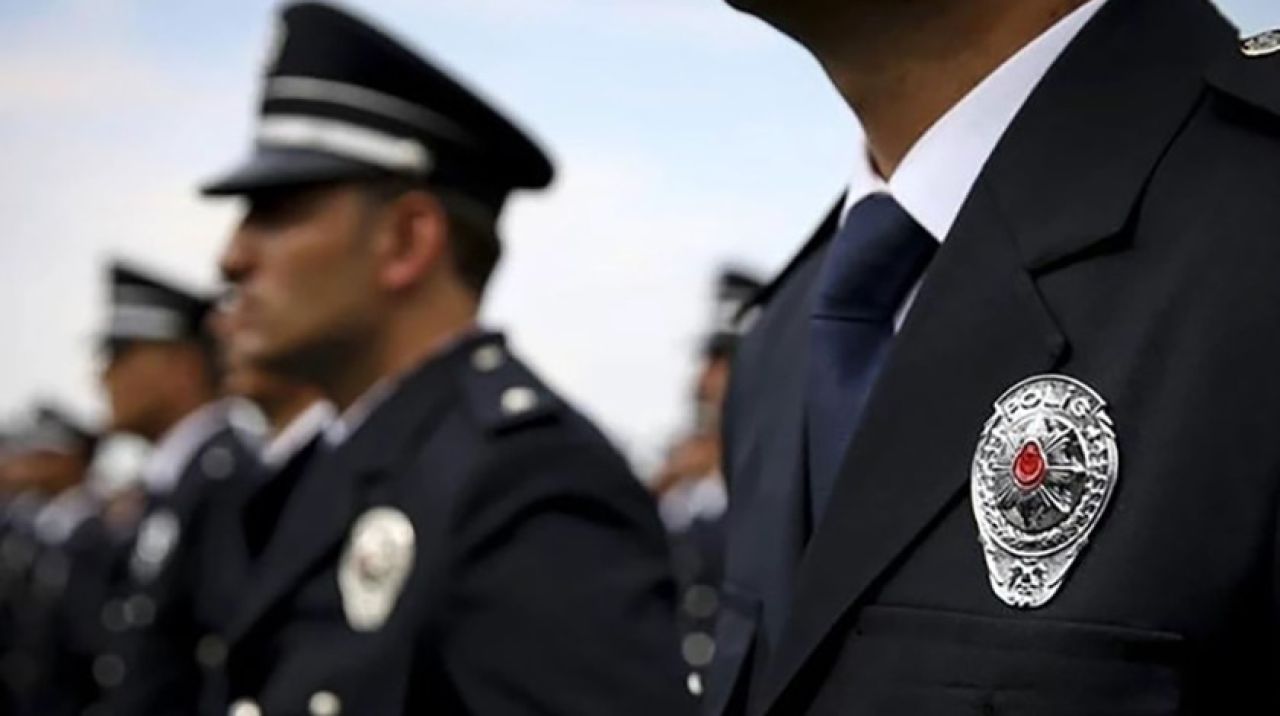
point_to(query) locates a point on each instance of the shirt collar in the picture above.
(297, 434)
(179, 445)
(64, 514)
(340, 430)
(935, 177)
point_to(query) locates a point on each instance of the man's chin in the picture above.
(253, 351)
(282, 361)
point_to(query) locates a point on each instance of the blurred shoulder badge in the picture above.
(1043, 474)
(375, 564)
(1261, 45)
(157, 536)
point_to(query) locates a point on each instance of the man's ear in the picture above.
(414, 240)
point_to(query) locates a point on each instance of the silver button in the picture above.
(487, 359)
(694, 684)
(324, 703)
(244, 707)
(109, 671)
(217, 463)
(698, 649)
(114, 616)
(211, 651)
(140, 611)
(701, 601)
(518, 400)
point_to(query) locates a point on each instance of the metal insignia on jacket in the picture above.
(157, 536)
(375, 564)
(1043, 473)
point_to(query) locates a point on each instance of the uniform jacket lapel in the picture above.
(1063, 181)
(334, 490)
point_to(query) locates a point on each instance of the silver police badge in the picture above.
(375, 564)
(1043, 473)
(157, 536)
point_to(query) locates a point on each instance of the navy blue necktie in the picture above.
(870, 267)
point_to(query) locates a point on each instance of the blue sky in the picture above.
(686, 135)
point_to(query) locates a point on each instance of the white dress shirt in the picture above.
(935, 177)
(297, 434)
(341, 428)
(63, 515)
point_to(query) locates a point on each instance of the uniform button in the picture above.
(698, 649)
(109, 671)
(694, 684)
(701, 601)
(140, 611)
(244, 707)
(325, 703)
(487, 359)
(114, 618)
(518, 400)
(217, 463)
(211, 651)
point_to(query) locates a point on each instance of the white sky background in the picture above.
(685, 134)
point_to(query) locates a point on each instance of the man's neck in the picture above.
(910, 70)
(396, 352)
(179, 411)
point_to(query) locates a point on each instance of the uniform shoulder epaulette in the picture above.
(1252, 73)
(501, 392)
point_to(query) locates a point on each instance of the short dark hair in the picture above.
(473, 228)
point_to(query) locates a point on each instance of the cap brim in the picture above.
(281, 168)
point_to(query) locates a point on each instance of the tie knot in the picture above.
(874, 259)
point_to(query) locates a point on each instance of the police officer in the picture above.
(55, 601)
(163, 384)
(1009, 402)
(690, 485)
(467, 542)
(242, 518)
(296, 415)
(18, 551)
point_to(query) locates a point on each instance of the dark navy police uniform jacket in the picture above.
(1123, 235)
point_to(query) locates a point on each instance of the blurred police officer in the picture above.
(162, 382)
(1010, 396)
(467, 543)
(18, 549)
(57, 599)
(295, 413)
(242, 517)
(690, 485)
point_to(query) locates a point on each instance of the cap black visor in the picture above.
(272, 168)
